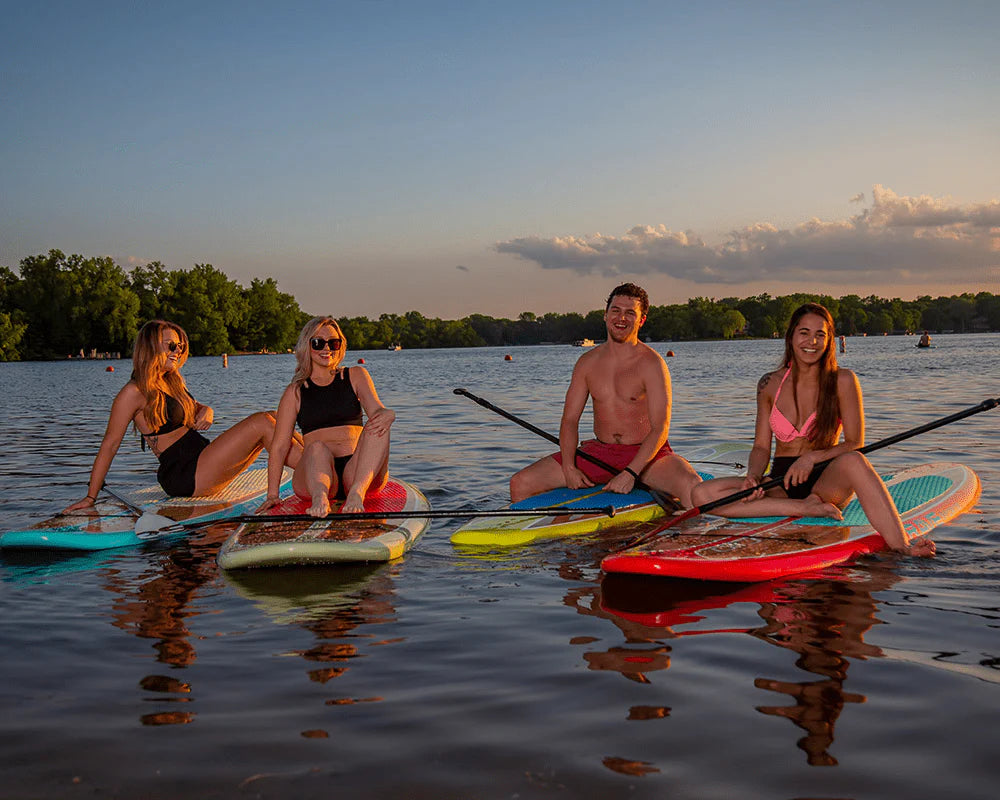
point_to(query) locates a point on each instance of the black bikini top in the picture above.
(329, 406)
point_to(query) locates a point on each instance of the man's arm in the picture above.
(569, 427)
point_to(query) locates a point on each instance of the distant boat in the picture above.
(394, 347)
(583, 343)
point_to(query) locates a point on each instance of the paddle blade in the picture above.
(150, 522)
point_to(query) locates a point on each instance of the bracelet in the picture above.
(631, 472)
(90, 497)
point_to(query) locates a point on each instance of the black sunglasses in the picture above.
(175, 346)
(316, 343)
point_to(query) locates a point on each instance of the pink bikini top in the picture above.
(783, 430)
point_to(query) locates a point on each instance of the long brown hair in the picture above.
(303, 357)
(824, 429)
(149, 362)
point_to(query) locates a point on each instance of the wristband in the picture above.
(631, 472)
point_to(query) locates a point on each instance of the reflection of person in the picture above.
(804, 406)
(157, 402)
(343, 458)
(925, 340)
(630, 387)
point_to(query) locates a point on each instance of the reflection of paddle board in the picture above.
(323, 541)
(111, 523)
(306, 594)
(716, 548)
(637, 506)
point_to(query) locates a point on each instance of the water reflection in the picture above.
(822, 619)
(332, 603)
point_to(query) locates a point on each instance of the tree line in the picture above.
(60, 305)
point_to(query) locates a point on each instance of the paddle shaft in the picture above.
(375, 515)
(129, 505)
(986, 405)
(660, 497)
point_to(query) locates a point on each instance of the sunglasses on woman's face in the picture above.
(316, 343)
(173, 347)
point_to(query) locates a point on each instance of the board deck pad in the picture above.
(761, 548)
(634, 507)
(322, 541)
(111, 523)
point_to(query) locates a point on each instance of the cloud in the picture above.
(858, 198)
(462, 268)
(909, 239)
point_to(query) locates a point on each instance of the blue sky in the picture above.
(482, 157)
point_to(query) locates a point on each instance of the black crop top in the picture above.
(330, 405)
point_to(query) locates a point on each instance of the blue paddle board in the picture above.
(111, 523)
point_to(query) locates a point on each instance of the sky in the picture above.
(469, 157)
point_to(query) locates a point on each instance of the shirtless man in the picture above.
(630, 387)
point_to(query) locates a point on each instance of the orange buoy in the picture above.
(361, 361)
(109, 369)
(670, 353)
(508, 357)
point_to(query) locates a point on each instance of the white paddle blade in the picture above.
(149, 522)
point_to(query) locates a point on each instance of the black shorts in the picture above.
(780, 465)
(179, 464)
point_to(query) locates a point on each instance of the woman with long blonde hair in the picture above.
(156, 400)
(813, 412)
(344, 457)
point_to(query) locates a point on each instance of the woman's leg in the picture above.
(367, 469)
(233, 450)
(852, 473)
(774, 503)
(315, 478)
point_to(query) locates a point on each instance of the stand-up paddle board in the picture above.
(326, 541)
(741, 549)
(726, 458)
(111, 522)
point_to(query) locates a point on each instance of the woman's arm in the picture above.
(126, 405)
(380, 418)
(288, 409)
(760, 453)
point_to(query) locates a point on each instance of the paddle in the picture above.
(986, 405)
(147, 521)
(366, 515)
(663, 500)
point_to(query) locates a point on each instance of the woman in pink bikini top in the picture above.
(813, 412)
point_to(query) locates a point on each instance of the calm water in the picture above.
(147, 673)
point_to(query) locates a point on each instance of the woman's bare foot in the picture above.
(320, 506)
(353, 504)
(815, 507)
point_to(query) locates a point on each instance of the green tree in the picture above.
(272, 321)
(206, 304)
(11, 333)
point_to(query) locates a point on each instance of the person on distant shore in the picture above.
(925, 340)
(630, 387)
(804, 406)
(157, 402)
(344, 457)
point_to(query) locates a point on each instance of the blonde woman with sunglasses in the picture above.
(344, 456)
(157, 402)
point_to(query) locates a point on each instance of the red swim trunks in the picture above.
(617, 455)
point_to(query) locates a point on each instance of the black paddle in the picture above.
(366, 515)
(663, 500)
(986, 405)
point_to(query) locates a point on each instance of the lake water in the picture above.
(148, 673)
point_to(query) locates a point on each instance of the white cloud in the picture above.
(909, 239)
